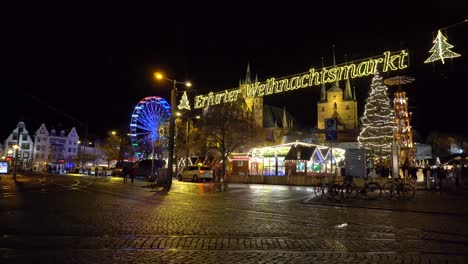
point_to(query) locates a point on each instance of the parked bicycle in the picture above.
(319, 188)
(370, 190)
(398, 189)
(331, 190)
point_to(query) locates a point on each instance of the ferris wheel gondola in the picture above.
(148, 126)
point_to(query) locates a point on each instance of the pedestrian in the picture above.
(457, 175)
(132, 173)
(413, 173)
(427, 177)
(125, 174)
(442, 174)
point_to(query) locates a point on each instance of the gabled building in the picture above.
(56, 149)
(19, 145)
(41, 148)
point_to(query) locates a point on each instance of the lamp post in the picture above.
(187, 137)
(188, 121)
(15, 164)
(170, 159)
(20, 130)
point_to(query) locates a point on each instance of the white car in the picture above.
(196, 173)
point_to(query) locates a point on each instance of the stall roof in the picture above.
(300, 152)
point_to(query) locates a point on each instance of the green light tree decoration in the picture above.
(376, 134)
(441, 49)
(184, 102)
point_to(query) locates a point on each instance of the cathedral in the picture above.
(276, 122)
(334, 103)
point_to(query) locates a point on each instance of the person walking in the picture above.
(132, 173)
(442, 174)
(125, 174)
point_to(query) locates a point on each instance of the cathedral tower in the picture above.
(254, 105)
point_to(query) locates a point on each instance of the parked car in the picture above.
(196, 173)
(143, 167)
(117, 171)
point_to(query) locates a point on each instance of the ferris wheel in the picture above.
(148, 126)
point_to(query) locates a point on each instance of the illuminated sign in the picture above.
(388, 61)
(3, 167)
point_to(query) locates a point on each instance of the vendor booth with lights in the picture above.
(294, 163)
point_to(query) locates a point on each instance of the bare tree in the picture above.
(228, 128)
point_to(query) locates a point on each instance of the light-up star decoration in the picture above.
(184, 102)
(441, 49)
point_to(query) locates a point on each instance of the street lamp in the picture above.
(15, 163)
(20, 130)
(120, 147)
(170, 159)
(189, 119)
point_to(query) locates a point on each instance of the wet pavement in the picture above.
(86, 219)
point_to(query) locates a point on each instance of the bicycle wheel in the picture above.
(406, 191)
(319, 190)
(333, 192)
(372, 190)
(388, 191)
(347, 190)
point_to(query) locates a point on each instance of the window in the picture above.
(269, 164)
(43, 148)
(38, 147)
(25, 137)
(15, 137)
(323, 109)
(300, 166)
(25, 145)
(281, 167)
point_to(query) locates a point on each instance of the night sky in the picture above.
(68, 65)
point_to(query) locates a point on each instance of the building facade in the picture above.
(336, 104)
(56, 149)
(19, 145)
(276, 122)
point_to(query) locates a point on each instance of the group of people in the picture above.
(128, 172)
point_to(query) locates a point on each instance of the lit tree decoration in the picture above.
(376, 134)
(441, 49)
(184, 102)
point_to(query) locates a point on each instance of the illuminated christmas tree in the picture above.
(441, 49)
(377, 121)
(184, 102)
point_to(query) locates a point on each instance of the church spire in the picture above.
(285, 122)
(334, 65)
(247, 74)
(323, 90)
(348, 94)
